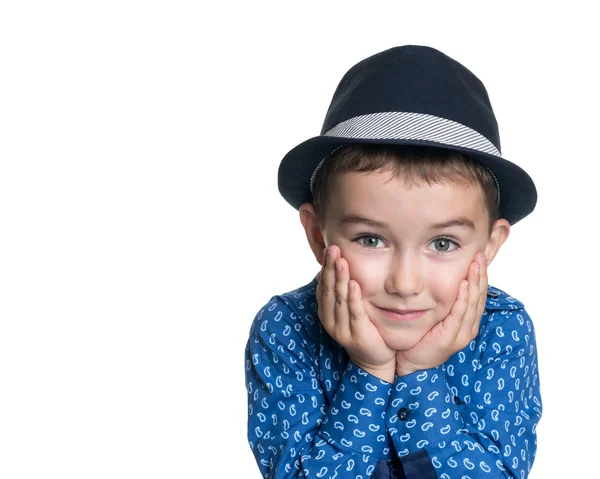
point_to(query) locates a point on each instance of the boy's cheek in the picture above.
(366, 273)
(441, 313)
(452, 276)
(445, 291)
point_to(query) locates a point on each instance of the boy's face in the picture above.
(417, 257)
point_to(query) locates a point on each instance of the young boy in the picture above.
(397, 359)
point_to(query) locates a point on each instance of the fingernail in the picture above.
(330, 253)
(478, 270)
(338, 266)
(481, 259)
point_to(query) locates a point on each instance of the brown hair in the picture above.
(414, 164)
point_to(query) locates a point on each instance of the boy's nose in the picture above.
(404, 277)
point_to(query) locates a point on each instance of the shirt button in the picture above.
(493, 294)
(403, 414)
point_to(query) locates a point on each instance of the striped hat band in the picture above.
(396, 125)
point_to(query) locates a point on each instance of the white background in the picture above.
(141, 228)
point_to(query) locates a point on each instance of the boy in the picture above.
(397, 359)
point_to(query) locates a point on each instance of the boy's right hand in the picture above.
(342, 313)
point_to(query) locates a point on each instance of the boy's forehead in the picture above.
(382, 195)
(346, 185)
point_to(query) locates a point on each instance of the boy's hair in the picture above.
(414, 164)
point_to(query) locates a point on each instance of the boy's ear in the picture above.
(500, 232)
(312, 228)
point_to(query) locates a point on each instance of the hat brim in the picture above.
(518, 195)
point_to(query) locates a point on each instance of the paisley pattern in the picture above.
(313, 413)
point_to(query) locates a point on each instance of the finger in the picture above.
(320, 276)
(483, 288)
(483, 279)
(342, 320)
(323, 263)
(451, 324)
(326, 293)
(483, 275)
(358, 319)
(471, 319)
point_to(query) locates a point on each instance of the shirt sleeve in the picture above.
(489, 431)
(292, 429)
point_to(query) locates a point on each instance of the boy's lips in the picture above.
(402, 314)
(402, 311)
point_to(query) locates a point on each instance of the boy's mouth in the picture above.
(402, 314)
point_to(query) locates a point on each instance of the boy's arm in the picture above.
(491, 430)
(292, 430)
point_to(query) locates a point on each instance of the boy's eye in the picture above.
(369, 241)
(443, 245)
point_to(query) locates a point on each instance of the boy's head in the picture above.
(409, 221)
(407, 179)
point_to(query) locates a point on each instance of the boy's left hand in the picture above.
(457, 330)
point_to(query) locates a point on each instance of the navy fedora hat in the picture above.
(410, 95)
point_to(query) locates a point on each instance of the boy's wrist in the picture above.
(401, 372)
(384, 372)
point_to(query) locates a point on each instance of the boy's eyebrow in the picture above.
(460, 221)
(352, 218)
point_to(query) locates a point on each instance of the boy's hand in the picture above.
(456, 331)
(342, 313)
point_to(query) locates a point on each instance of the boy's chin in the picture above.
(402, 342)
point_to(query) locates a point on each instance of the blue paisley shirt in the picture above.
(314, 413)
